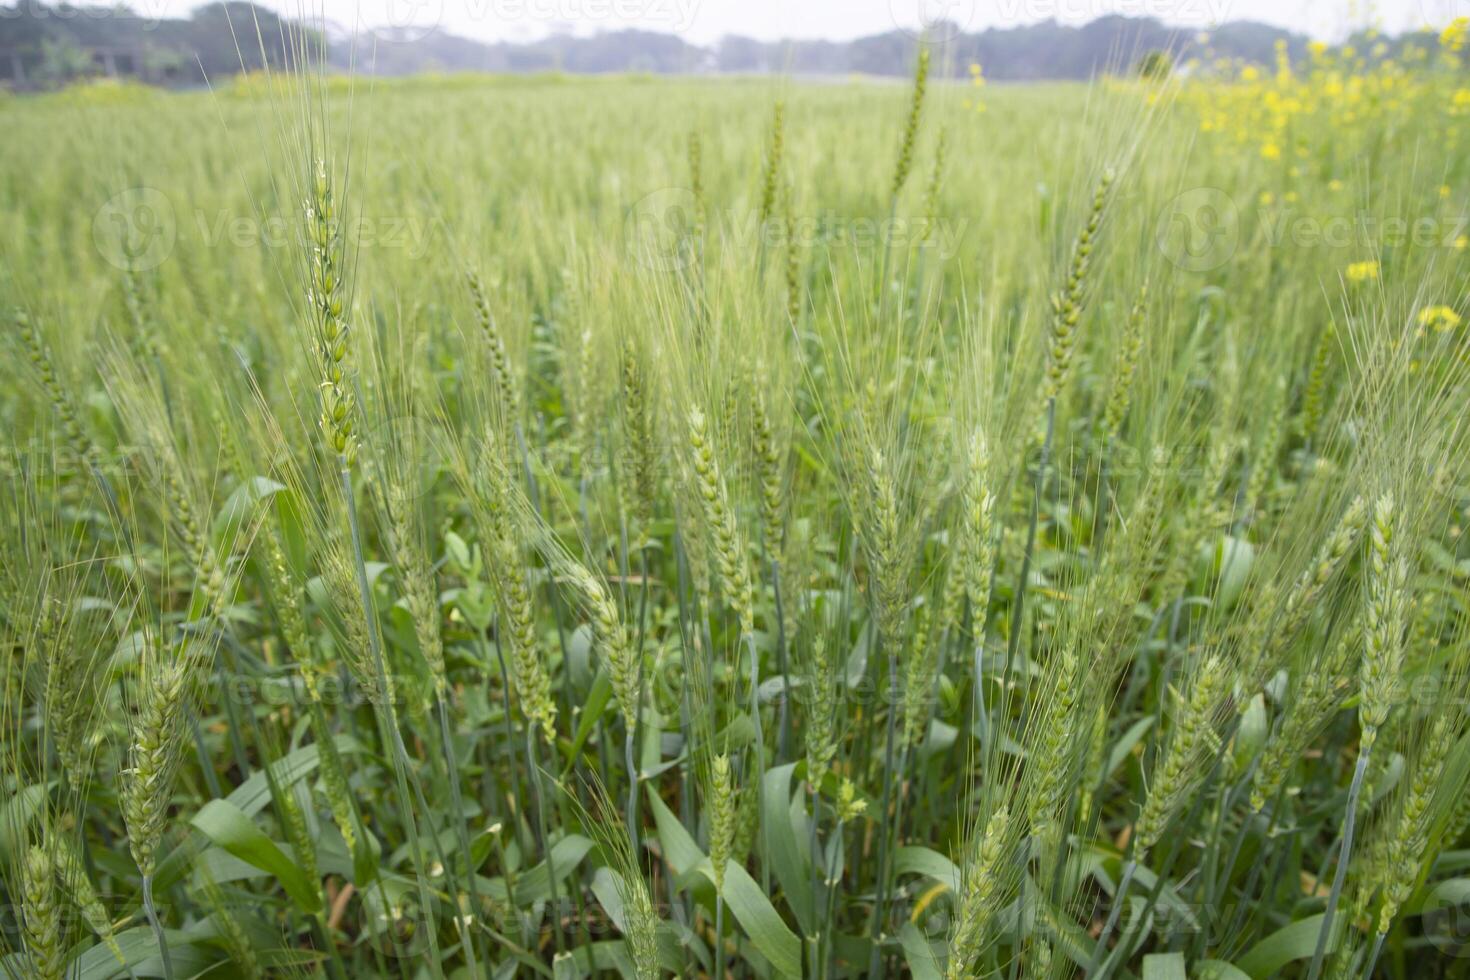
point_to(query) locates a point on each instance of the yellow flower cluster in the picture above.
(977, 82)
(1440, 322)
(1452, 38)
(105, 92)
(1440, 319)
(1296, 111)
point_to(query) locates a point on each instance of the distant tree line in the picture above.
(43, 46)
(1033, 52)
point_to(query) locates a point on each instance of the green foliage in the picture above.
(479, 549)
(1155, 65)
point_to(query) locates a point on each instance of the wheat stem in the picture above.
(151, 911)
(1018, 612)
(387, 722)
(879, 905)
(1339, 878)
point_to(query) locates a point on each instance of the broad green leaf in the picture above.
(1250, 736)
(672, 954)
(609, 896)
(459, 552)
(738, 734)
(650, 747)
(360, 868)
(1164, 966)
(929, 863)
(680, 850)
(535, 884)
(1453, 861)
(1390, 777)
(1232, 561)
(857, 661)
(1452, 893)
(617, 956)
(918, 952)
(16, 814)
(581, 668)
(316, 587)
(1125, 744)
(1068, 936)
(1296, 941)
(1098, 860)
(759, 919)
(222, 867)
(140, 955)
(1456, 772)
(788, 855)
(1217, 970)
(230, 828)
(239, 508)
(594, 959)
(597, 700)
(365, 860)
(941, 736)
(250, 797)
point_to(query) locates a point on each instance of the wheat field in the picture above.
(470, 527)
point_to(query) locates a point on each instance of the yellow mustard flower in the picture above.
(1452, 38)
(1440, 319)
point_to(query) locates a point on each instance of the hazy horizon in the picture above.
(706, 21)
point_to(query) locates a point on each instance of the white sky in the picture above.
(705, 21)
